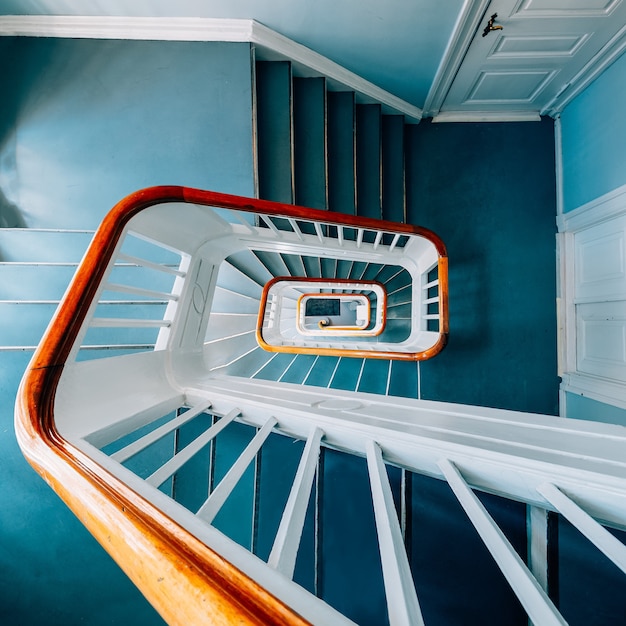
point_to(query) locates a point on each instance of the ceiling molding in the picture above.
(605, 57)
(487, 116)
(135, 28)
(268, 42)
(465, 28)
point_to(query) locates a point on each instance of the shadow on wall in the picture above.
(10, 216)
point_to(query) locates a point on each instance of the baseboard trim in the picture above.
(487, 116)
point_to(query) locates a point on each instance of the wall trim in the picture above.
(601, 209)
(606, 207)
(466, 26)
(487, 116)
(269, 43)
(612, 393)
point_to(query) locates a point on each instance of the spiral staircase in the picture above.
(307, 485)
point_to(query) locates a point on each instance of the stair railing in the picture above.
(61, 397)
(81, 423)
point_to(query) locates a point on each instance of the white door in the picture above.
(535, 56)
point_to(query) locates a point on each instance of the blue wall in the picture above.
(593, 130)
(488, 190)
(82, 124)
(88, 121)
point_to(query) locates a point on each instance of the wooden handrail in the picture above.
(140, 537)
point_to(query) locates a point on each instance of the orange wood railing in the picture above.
(186, 581)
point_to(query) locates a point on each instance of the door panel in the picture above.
(541, 47)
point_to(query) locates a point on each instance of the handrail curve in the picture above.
(117, 516)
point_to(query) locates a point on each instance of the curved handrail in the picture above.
(103, 501)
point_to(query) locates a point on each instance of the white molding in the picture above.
(606, 207)
(464, 30)
(135, 28)
(487, 116)
(598, 389)
(207, 29)
(603, 59)
(558, 164)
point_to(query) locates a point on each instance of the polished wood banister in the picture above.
(115, 514)
(140, 537)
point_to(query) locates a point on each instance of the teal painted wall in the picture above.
(88, 121)
(582, 408)
(593, 131)
(82, 124)
(488, 190)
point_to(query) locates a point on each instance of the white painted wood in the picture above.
(402, 603)
(160, 267)
(148, 439)
(598, 535)
(592, 306)
(543, 52)
(610, 392)
(600, 263)
(539, 607)
(466, 25)
(138, 291)
(157, 478)
(126, 322)
(601, 340)
(487, 116)
(287, 540)
(215, 501)
(537, 539)
(609, 53)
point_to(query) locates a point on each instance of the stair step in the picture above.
(232, 279)
(347, 374)
(252, 363)
(398, 281)
(368, 160)
(43, 245)
(399, 311)
(309, 121)
(393, 193)
(299, 369)
(274, 130)
(227, 301)
(273, 262)
(294, 264)
(371, 271)
(396, 330)
(374, 376)
(341, 152)
(250, 265)
(276, 366)
(322, 371)
(223, 325)
(312, 266)
(228, 350)
(403, 380)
